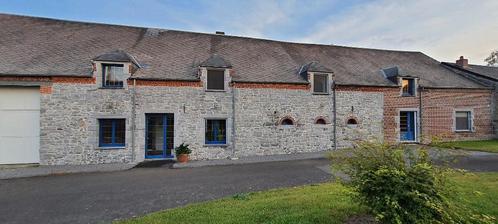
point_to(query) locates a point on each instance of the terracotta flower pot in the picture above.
(182, 158)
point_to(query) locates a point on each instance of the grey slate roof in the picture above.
(216, 61)
(487, 71)
(39, 46)
(115, 56)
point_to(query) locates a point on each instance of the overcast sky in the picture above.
(443, 29)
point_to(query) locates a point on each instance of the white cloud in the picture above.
(442, 29)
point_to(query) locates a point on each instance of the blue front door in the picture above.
(159, 135)
(407, 125)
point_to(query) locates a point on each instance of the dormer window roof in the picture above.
(314, 66)
(117, 56)
(216, 61)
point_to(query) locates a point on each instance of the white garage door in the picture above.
(19, 125)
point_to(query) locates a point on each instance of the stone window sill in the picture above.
(216, 145)
(111, 87)
(215, 90)
(110, 147)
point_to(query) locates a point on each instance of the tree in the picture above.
(492, 60)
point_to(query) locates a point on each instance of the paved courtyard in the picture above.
(103, 197)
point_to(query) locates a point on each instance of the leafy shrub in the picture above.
(398, 184)
(182, 149)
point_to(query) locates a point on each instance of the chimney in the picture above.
(462, 62)
(220, 32)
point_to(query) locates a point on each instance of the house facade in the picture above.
(487, 75)
(84, 93)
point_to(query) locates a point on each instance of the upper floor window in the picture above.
(408, 87)
(463, 121)
(112, 132)
(320, 83)
(215, 80)
(113, 75)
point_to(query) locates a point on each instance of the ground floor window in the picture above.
(463, 120)
(216, 131)
(112, 132)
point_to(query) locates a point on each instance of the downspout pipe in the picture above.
(133, 125)
(420, 90)
(233, 120)
(334, 105)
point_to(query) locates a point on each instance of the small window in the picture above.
(463, 120)
(287, 122)
(112, 132)
(216, 80)
(352, 121)
(320, 83)
(113, 75)
(320, 121)
(408, 87)
(216, 131)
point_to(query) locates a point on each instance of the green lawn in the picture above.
(486, 145)
(323, 203)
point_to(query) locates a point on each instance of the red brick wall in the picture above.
(171, 83)
(438, 109)
(271, 86)
(74, 80)
(438, 106)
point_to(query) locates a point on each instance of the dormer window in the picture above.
(407, 87)
(215, 80)
(320, 83)
(113, 75)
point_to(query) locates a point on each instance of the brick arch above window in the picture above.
(321, 120)
(287, 121)
(352, 121)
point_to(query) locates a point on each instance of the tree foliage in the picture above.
(492, 60)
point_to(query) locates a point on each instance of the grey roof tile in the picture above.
(39, 46)
(490, 72)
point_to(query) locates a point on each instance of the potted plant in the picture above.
(182, 153)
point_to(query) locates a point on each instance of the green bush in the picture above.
(182, 149)
(398, 184)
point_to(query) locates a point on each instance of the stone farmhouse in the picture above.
(86, 93)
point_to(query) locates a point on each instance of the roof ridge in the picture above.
(202, 33)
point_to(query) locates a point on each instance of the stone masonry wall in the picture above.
(70, 113)
(69, 124)
(367, 108)
(258, 112)
(190, 106)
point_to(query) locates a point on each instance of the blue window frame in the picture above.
(216, 131)
(113, 75)
(112, 132)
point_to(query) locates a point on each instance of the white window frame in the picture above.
(416, 122)
(470, 120)
(312, 77)
(98, 73)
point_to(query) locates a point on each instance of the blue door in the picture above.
(407, 126)
(159, 135)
